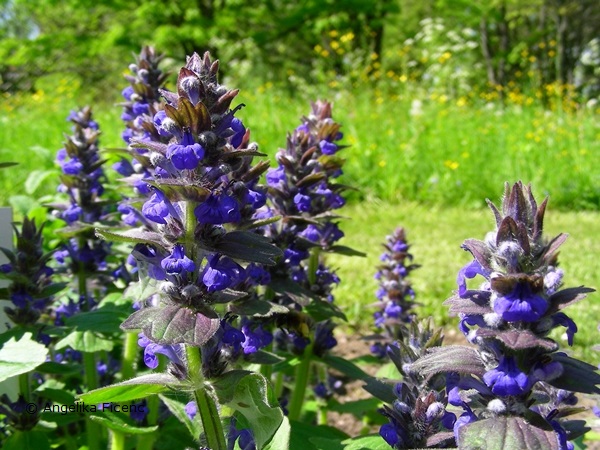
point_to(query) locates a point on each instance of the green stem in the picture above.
(146, 441)
(25, 386)
(93, 430)
(207, 409)
(130, 353)
(302, 375)
(211, 422)
(279, 384)
(117, 440)
(322, 416)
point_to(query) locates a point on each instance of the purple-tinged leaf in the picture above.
(566, 297)
(577, 376)
(311, 179)
(502, 433)
(443, 439)
(158, 147)
(177, 190)
(507, 230)
(173, 324)
(451, 358)
(171, 97)
(497, 214)
(480, 252)
(518, 339)
(538, 222)
(549, 255)
(224, 102)
(473, 302)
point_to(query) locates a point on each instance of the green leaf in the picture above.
(35, 180)
(22, 204)
(248, 246)
(106, 319)
(85, 341)
(119, 421)
(281, 438)
(5, 164)
(54, 368)
(505, 432)
(346, 251)
(31, 439)
(177, 408)
(21, 356)
(253, 398)
(345, 366)
(320, 310)
(371, 442)
(315, 437)
(134, 389)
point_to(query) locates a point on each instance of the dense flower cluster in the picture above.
(517, 372)
(395, 294)
(81, 179)
(31, 288)
(203, 188)
(417, 416)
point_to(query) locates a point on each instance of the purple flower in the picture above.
(186, 154)
(123, 167)
(221, 272)
(256, 338)
(564, 320)
(328, 148)
(72, 213)
(177, 263)
(158, 208)
(72, 167)
(217, 210)
(276, 177)
(302, 202)
(239, 131)
(520, 305)
(191, 409)
(127, 93)
(507, 378)
(469, 271)
(294, 256)
(390, 435)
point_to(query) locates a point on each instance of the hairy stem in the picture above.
(207, 408)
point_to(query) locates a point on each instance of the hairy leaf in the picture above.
(134, 389)
(578, 376)
(257, 308)
(518, 339)
(173, 324)
(451, 358)
(502, 433)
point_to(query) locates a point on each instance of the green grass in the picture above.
(450, 153)
(435, 235)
